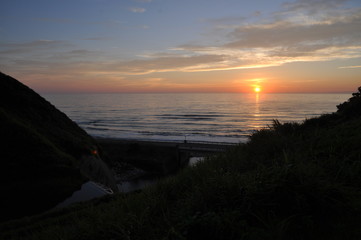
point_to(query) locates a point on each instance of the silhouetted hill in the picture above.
(43, 152)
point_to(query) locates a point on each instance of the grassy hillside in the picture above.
(291, 181)
(42, 152)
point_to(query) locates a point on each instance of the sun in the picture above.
(257, 89)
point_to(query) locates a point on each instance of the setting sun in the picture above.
(257, 89)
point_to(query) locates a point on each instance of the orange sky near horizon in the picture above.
(271, 80)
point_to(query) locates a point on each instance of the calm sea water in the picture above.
(227, 118)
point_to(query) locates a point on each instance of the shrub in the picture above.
(351, 108)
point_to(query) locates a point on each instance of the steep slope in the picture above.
(42, 151)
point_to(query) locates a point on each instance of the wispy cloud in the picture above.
(304, 31)
(33, 46)
(312, 6)
(137, 9)
(54, 20)
(350, 67)
(98, 38)
(167, 64)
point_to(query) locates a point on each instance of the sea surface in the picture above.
(206, 117)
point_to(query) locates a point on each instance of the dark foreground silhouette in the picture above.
(43, 152)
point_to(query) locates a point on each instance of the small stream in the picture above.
(90, 189)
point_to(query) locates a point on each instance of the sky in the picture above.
(182, 45)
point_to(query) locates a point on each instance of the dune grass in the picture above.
(290, 181)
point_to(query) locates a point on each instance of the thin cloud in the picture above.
(168, 64)
(332, 33)
(284, 38)
(137, 10)
(97, 38)
(33, 46)
(72, 61)
(54, 20)
(312, 6)
(110, 23)
(37, 43)
(348, 67)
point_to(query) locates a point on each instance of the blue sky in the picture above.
(176, 46)
(132, 26)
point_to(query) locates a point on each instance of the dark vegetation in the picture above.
(291, 181)
(43, 152)
(158, 159)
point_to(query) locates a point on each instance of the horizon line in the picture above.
(260, 93)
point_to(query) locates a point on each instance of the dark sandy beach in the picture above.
(202, 146)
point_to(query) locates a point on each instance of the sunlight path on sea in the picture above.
(196, 117)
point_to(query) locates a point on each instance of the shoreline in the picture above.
(112, 140)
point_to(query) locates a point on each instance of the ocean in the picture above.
(195, 117)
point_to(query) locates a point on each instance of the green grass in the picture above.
(291, 181)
